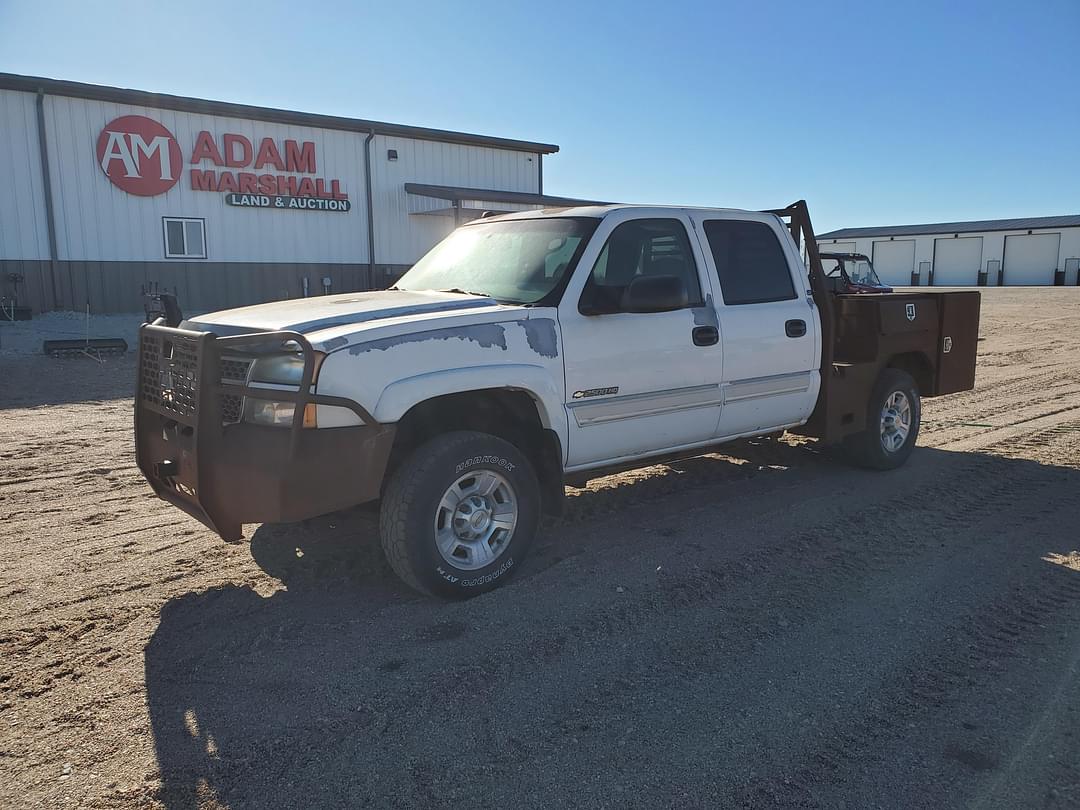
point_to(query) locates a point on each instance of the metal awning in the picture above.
(468, 203)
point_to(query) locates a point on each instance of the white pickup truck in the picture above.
(524, 349)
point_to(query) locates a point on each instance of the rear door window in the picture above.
(750, 262)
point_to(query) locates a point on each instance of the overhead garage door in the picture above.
(1031, 259)
(894, 261)
(957, 261)
(830, 247)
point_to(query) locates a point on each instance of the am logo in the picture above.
(139, 155)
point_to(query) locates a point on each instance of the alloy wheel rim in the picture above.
(895, 421)
(475, 520)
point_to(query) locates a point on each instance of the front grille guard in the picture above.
(240, 346)
(180, 406)
(202, 354)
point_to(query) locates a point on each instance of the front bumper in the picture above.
(227, 473)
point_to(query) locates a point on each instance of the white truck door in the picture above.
(639, 382)
(770, 327)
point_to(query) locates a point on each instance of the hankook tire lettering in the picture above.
(486, 578)
(496, 460)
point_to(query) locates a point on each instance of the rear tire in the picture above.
(459, 514)
(893, 416)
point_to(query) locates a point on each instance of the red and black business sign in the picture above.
(141, 156)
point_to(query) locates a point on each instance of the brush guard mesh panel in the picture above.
(234, 370)
(169, 375)
(191, 388)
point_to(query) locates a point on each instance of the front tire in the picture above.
(893, 417)
(459, 514)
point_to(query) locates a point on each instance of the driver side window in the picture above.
(640, 248)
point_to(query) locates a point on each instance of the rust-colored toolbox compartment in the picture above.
(959, 341)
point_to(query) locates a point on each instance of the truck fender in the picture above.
(398, 397)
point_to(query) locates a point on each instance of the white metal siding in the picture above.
(993, 250)
(1031, 260)
(96, 221)
(894, 261)
(837, 247)
(1070, 249)
(957, 261)
(23, 229)
(401, 237)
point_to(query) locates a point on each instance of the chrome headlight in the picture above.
(280, 369)
(277, 414)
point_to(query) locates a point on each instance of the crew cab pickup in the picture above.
(525, 350)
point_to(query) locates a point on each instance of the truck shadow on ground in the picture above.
(37, 380)
(345, 688)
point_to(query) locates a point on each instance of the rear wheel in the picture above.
(893, 416)
(459, 514)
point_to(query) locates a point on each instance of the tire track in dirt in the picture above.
(968, 655)
(1030, 430)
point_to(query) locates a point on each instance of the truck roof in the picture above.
(601, 211)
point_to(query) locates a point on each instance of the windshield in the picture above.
(518, 261)
(860, 271)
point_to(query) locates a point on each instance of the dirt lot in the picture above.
(764, 627)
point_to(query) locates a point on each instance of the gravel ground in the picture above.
(763, 627)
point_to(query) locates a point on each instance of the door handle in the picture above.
(705, 335)
(795, 328)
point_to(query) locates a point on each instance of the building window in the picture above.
(184, 238)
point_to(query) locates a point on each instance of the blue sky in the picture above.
(876, 113)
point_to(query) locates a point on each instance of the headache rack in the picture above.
(191, 387)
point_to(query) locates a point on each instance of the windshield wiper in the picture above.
(460, 291)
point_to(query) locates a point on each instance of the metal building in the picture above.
(1037, 251)
(104, 190)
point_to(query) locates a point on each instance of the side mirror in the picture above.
(655, 294)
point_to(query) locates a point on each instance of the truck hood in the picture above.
(331, 312)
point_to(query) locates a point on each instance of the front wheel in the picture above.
(893, 416)
(459, 514)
